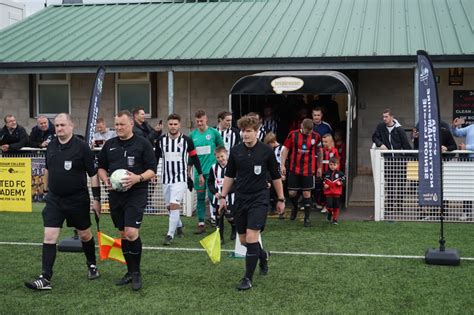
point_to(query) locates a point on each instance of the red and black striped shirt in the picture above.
(327, 154)
(302, 152)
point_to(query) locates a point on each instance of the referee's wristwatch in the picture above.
(281, 200)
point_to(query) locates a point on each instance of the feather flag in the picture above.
(212, 245)
(110, 248)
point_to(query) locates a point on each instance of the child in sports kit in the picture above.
(328, 151)
(334, 180)
(271, 140)
(215, 183)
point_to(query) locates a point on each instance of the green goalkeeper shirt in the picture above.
(206, 143)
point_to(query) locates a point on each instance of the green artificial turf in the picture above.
(187, 282)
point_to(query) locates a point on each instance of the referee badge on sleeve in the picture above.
(67, 165)
(257, 169)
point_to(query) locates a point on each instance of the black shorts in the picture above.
(332, 202)
(127, 208)
(250, 211)
(75, 209)
(300, 182)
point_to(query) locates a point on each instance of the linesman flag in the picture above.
(429, 153)
(212, 245)
(110, 248)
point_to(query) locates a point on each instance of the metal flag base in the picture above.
(72, 244)
(446, 257)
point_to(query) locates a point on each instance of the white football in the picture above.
(116, 179)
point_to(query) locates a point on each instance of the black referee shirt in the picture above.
(67, 165)
(249, 167)
(135, 154)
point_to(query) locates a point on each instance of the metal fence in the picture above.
(396, 187)
(155, 205)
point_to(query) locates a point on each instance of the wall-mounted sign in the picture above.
(463, 106)
(456, 76)
(287, 84)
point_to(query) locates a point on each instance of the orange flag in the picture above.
(110, 248)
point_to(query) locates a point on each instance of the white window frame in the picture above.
(39, 82)
(133, 81)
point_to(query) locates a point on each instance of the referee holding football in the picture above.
(68, 159)
(249, 163)
(135, 154)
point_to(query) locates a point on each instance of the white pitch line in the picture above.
(273, 252)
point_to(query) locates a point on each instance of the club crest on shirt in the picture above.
(336, 176)
(67, 165)
(208, 137)
(257, 169)
(313, 141)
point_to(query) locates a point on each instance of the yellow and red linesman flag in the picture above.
(110, 248)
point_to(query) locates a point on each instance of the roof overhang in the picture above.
(254, 64)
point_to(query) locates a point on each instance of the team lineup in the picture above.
(243, 172)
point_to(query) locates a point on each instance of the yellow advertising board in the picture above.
(15, 184)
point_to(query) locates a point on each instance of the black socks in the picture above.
(89, 250)
(251, 259)
(49, 256)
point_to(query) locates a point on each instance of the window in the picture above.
(132, 90)
(53, 93)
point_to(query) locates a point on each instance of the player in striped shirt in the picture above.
(271, 140)
(230, 135)
(270, 122)
(300, 147)
(215, 182)
(175, 148)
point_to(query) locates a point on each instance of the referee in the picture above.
(68, 159)
(249, 163)
(135, 154)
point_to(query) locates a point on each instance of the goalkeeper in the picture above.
(205, 139)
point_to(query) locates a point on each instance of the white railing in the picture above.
(396, 187)
(155, 205)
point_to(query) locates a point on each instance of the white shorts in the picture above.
(174, 193)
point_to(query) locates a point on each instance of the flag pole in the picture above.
(430, 162)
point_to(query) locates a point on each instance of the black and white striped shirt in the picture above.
(216, 178)
(231, 137)
(270, 125)
(277, 151)
(175, 154)
(261, 133)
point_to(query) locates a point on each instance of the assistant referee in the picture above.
(68, 159)
(249, 163)
(135, 154)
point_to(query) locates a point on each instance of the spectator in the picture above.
(446, 138)
(42, 133)
(142, 128)
(389, 135)
(468, 133)
(102, 133)
(13, 137)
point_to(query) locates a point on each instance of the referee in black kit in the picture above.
(249, 163)
(135, 154)
(68, 159)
